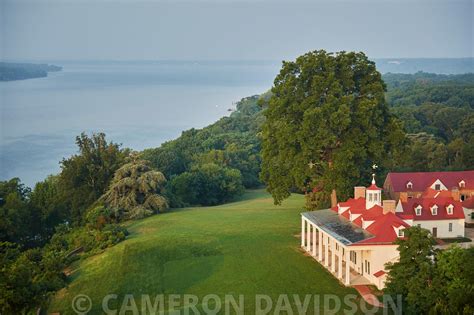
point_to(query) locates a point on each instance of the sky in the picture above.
(232, 30)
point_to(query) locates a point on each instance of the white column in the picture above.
(333, 255)
(339, 268)
(303, 225)
(320, 246)
(326, 251)
(348, 275)
(314, 241)
(308, 237)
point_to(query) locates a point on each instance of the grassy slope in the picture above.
(247, 247)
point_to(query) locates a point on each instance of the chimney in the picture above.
(403, 196)
(455, 194)
(359, 192)
(333, 198)
(388, 206)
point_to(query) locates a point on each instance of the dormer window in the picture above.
(434, 210)
(418, 210)
(462, 184)
(409, 185)
(450, 209)
(438, 185)
(400, 232)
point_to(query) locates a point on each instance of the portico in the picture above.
(331, 251)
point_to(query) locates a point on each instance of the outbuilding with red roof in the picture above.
(414, 184)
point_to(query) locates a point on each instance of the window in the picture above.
(418, 210)
(409, 185)
(450, 227)
(368, 267)
(462, 184)
(450, 209)
(400, 233)
(376, 197)
(418, 225)
(434, 210)
(437, 187)
(370, 197)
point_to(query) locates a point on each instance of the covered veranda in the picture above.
(327, 237)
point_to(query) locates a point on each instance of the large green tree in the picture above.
(206, 184)
(27, 279)
(136, 190)
(86, 176)
(326, 123)
(19, 223)
(412, 276)
(46, 201)
(431, 281)
(454, 281)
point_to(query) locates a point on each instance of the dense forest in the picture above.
(21, 71)
(80, 210)
(438, 116)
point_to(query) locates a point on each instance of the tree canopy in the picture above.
(326, 123)
(136, 190)
(206, 184)
(85, 176)
(431, 281)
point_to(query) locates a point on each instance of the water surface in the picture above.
(138, 104)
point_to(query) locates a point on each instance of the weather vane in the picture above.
(374, 168)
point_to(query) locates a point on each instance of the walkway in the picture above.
(367, 295)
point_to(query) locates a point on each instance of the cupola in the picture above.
(373, 195)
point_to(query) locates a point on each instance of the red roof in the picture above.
(426, 204)
(382, 227)
(379, 273)
(383, 230)
(369, 215)
(356, 206)
(431, 193)
(468, 203)
(422, 180)
(373, 187)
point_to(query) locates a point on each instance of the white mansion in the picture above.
(355, 239)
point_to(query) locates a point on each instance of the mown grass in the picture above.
(245, 248)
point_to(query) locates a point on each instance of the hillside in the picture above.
(435, 109)
(22, 71)
(248, 247)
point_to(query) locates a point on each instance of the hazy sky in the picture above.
(226, 29)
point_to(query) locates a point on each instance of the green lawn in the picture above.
(247, 247)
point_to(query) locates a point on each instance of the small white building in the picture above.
(442, 216)
(355, 239)
(468, 207)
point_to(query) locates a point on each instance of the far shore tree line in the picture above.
(327, 119)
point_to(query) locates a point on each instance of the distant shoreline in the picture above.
(384, 65)
(23, 71)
